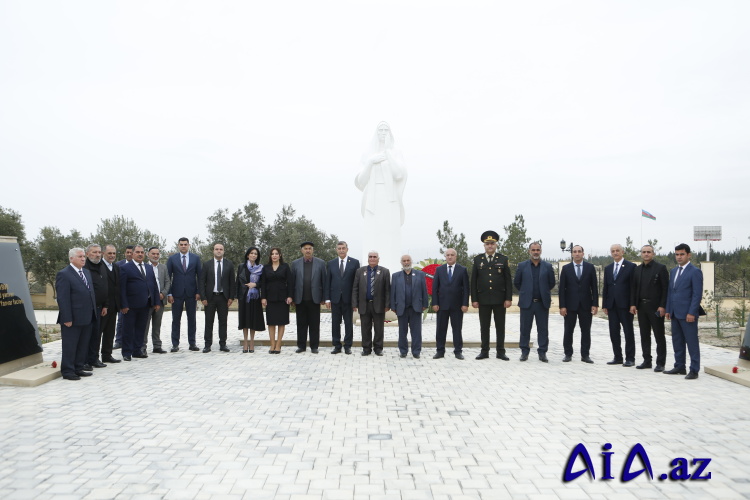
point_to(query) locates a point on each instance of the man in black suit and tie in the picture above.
(310, 292)
(217, 290)
(408, 299)
(648, 296)
(579, 301)
(534, 280)
(128, 258)
(341, 271)
(138, 292)
(683, 309)
(108, 322)
(450, 300)
(616, 305)
(371, 296)
(184, 270)
(77, 314)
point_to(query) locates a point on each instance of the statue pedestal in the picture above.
(725, 372)
(29, 371)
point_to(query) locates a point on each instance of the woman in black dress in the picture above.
(276, 290)
(250, 314)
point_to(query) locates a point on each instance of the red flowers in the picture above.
(54, 364)
(430, 272)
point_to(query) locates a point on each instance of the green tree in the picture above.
(448, 239)
(11, 224)
(629, 251)
(244, 228)
(121, 232)
(655, 243)
(288, 231)
(515, 245)
(51, 253)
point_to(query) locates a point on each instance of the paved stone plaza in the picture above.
(305, 426)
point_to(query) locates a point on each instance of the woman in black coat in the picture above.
(250, 311)
(276, 290)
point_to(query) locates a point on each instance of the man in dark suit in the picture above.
(310, 292)
(155, 315)
(450, 300)
(683, 309)
(616, 305)
(371, 297)
(648, 296)
(138, 292)
(534, 280)
(77, 314)
(108, 322)
(184, 269)
(218, 291)
(408, 299)
(118, 335)
(98, 272)
(341, 271)
(491, 293)
(579, 301)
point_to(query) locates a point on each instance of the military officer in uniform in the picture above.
(491, 293)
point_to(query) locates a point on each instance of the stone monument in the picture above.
(382, 181)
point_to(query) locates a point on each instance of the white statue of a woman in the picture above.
(382, 180)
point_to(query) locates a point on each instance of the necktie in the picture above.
(679, 272)
(617, 269)
(450, 274)
(372, 283)
(341, 267)
(184, 265)
(578, 271)
(85, 281)
(218, 277)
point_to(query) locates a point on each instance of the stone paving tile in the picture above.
(218, 425)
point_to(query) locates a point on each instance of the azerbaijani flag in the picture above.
(647, 215)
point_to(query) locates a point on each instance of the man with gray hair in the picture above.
(108, 322)
(648, 299)
(371, 296)
(76, 302)
(534, 280)
(408, 299)
(616, 305)
(101, 291)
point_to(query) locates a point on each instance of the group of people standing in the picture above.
(94, 290)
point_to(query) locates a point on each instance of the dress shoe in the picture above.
(174, 349)
(643, 366)
(336, 350)
(676, 371)
(140, 355)
(87, 368)
(378, 353)
(415, 356)
(299, 350)
(277, 352)
(245, 351)
(98, 364)
(126, 358)
(71, 377)
(483, 355)
(587, 359)
(366, 353)
(615, 362)
(402, 355)
(628, 364)
(523, 357)
(110, 359)
(314, 351)
(117, 345)
(543, 358)
(159, 350)
(438, 356)
(691, 375)
(249, 350)
(459, 356)
(348, 350)
(206, 349)
(658, 368)
(224, 349)
(567, 359)
(88, 374)
(271, 351)
(502, 356)
(194, 348)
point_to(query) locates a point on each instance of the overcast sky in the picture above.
(575, 114)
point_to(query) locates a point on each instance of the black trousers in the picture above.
(107, 329)
(75, 346)
(217, 304)
(456, 319)
(95, 339)
(583, 316)
(340, 311)
(370, 319)
(485, 315)
(308, 318)
(617, 317)
(649, 320)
